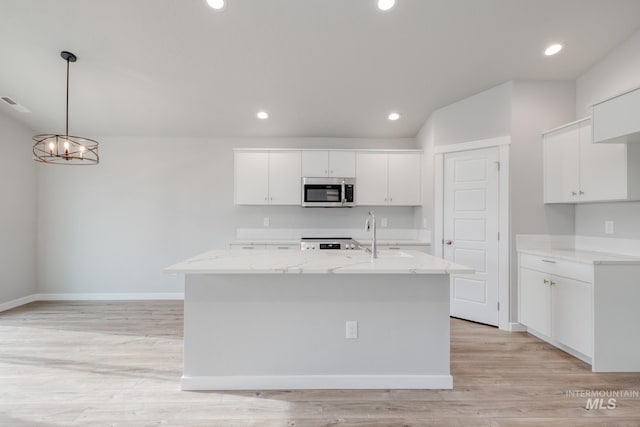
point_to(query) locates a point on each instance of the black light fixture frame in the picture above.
(65, 149)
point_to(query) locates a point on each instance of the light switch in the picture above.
(265, 221)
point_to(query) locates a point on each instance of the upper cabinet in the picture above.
(388, 179)
(268, 178)
(577, 170)
(617, 120)
(340, 164)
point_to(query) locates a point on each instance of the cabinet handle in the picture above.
(581, 193)
(266, 198)
(448, 242)
(552, 283)
(391, 199)
(549, 261)
(272, 199)
(331, 172)
(546, 281)
(326, 172)
(394, 248)
(385, 200)
(573, 193)
(248, 247)
(283, 247)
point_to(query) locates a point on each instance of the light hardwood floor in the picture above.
(119, 363)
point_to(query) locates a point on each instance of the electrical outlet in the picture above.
(265, 221)
(425, 223)
(608, 227)
(383, 222)
(351, 330)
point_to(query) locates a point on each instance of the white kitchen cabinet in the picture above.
(577, 170)
(535, 294)
(617, 119)
(556, 302)
(251, 178)
(340, 164)
(388, 179)
(267, 178)
(572, 313)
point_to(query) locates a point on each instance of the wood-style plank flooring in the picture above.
(119, 364)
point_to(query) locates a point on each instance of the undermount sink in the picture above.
(393, 254)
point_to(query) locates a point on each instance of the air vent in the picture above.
(13, 104)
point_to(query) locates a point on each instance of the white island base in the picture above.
(259, 320)
(265, 331)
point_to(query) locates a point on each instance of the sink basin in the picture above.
(393, 254)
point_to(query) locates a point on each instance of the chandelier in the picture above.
(65, 149)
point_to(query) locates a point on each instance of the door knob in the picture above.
(448, 242)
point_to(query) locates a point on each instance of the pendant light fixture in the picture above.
(65, 149)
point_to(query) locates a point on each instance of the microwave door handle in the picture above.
(343, 193)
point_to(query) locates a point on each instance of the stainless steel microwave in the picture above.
(328, 192)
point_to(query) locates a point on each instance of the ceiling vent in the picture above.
(13, 104)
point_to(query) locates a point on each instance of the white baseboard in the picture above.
(17, 302)
(517, 327)
(92, 297)
(110, 296)
(317, 382)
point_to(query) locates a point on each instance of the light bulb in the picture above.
(216, 4)
(82, 150)
(262, 115)
(553, 49)
(394, 116)
(52, 147)
(66, 145)
(385, 5)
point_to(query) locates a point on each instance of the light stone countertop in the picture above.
(315, 262)
(581, 256)
(366, 242)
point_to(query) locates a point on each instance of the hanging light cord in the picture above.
(67, 118)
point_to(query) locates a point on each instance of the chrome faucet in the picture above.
(371, 224)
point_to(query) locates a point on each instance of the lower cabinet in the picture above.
(555, 304)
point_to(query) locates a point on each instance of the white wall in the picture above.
(155, 201)
(484, 115)
(18, 211)
(615, 73)
(519, 109)
(536, 106)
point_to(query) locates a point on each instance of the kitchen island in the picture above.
(261, 319)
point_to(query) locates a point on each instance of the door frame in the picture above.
(503, 144)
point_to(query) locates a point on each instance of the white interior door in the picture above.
(471, 225)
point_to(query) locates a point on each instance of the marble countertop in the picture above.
(366, 242)
(315, 262)
(581, 256)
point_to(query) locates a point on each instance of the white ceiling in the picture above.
(319, 67)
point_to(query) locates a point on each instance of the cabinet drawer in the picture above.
(572, 270)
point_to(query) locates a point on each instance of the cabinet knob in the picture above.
(332, 172)
(448, 242)
(325, 172)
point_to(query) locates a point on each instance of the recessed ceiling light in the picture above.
(216, 4)
(385, 5)
(553, 49)
(394, 116)
(262, 115)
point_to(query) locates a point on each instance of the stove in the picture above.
(328, 243)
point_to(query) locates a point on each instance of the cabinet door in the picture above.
(285, 178)
(618, 119)
(405, 179)
(572, 314)
(342, 164)
(561, 166)
(251, 178)
(371, 179)
(535, 300)
(603, 168)
(315, 163)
